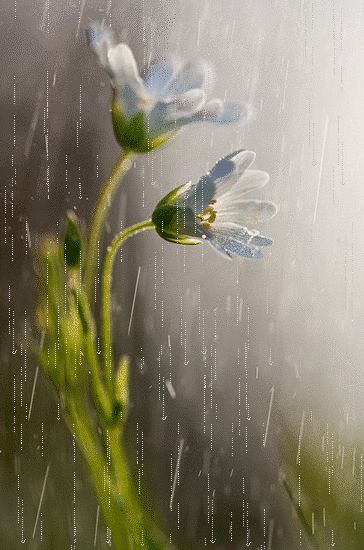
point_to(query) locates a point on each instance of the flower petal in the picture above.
(159, 74)
(234, 164)
(239, 241)
(199, 196)
(221, 112)
(118, 60)
(238, 248)
(101, 40)
(242, 234)
(226, 172)
(128, 100)
(232, 190)
(245, 212)
(223, 175)
(215, 243)
(261, 240)
(124, 68)
(227, 114)
(187, 104)
(252, 179)
(189, 76)
(233, 247)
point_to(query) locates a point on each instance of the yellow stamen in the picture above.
(207, 217)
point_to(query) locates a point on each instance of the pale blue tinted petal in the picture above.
(128, 99)
(190, 75)
(168, 117)
(160, 73)
(234, 164)
(185, 105)
(100, 40)
(169, 120)
(214, 242)
(200, 195)
(226, 116)
(223, 168)
(245, 212)
(234, 247)
(221, 112)
(243, 234)
(157, 120)
(239, 241)
(177, 123)
(261, 240)
(208, 186)
(232, 112)
(238, 248)
(228, 170)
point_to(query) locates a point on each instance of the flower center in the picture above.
(146, 103)
(207, 217)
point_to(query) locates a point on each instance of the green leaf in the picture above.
(321, 482)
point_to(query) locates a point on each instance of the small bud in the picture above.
(72, 240)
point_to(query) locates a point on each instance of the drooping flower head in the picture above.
(216, 210)
(149, 109)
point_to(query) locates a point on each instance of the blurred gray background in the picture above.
(229, 336)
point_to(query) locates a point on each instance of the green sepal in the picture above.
(133, 134)
(72, 240)
(172, 197)
(171, 222)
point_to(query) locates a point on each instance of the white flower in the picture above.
(149, 109)
(215, 209)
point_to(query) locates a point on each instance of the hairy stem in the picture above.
(144, 531)
(120, 168)
(106, 294)
(101, 473)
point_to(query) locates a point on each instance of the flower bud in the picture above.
(72, 240)
(174, 221)
(134, 133)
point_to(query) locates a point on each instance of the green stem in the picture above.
(103, 403)
(101, 398)
(112, 508)
(143, 529)
(125, 485)
(106, 294)
(120, 168)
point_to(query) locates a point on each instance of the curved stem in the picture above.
(106, 294)
(102, 400)
(120, 168)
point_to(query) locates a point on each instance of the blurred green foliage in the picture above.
(324, 480)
